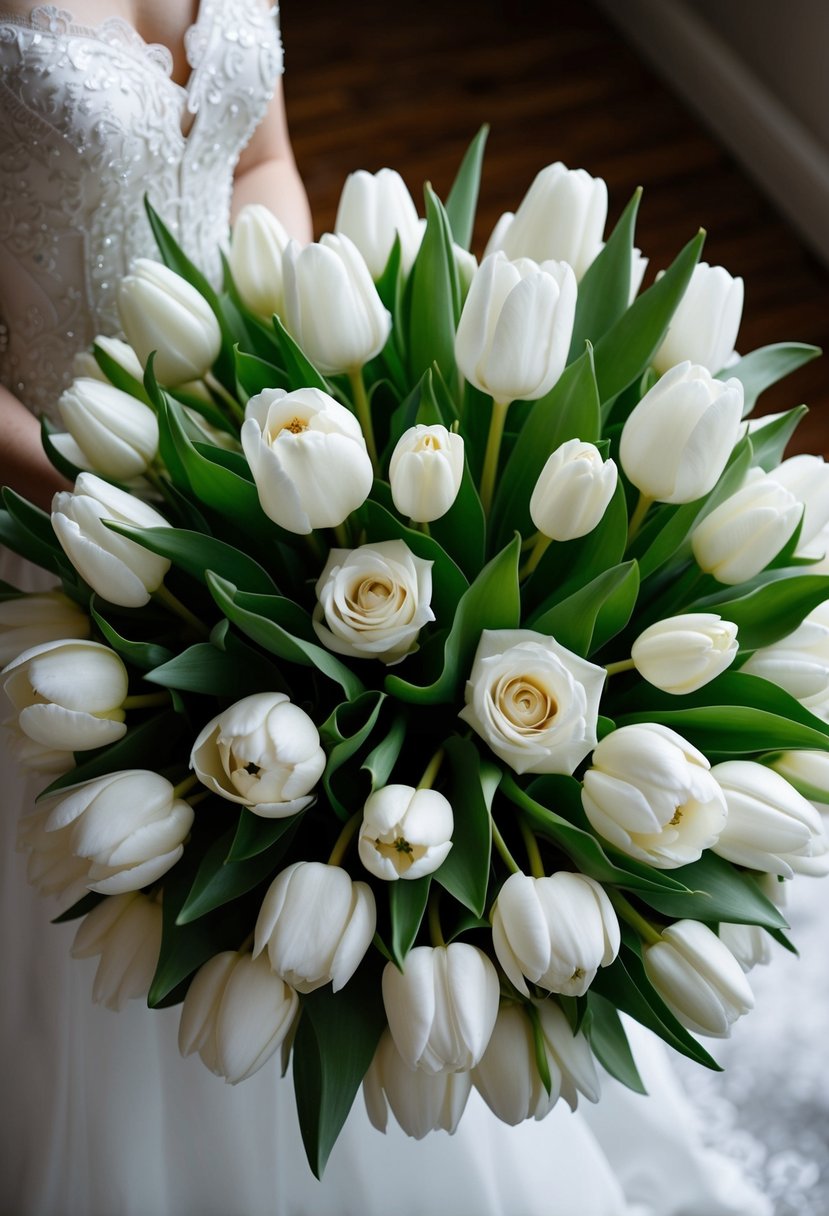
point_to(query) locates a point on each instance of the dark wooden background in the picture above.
(370, 83)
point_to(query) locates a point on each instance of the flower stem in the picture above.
(342, 534)
(533, 851)
(318, 550)
(613, 669)
(493, 450)
(435, 929)
(638, 517)
(185, 785)
(428, 779)
(363, 409)
(540, 546)
(344, 839)
(541, 1058)
(230, 401)
(146, 700)
(649, 934)
(500, 844)
(166, 597)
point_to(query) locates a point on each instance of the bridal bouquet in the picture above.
(440, 663)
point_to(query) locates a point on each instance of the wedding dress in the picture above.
(102, 1116)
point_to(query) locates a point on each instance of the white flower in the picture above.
(807, 478)
(235, 1015)
(52, 867)
(799, 662)
(118, 569)
(332, 308)
(259, 241)
(677, 441)
(85, 363)
(117, 434)
(682, 653)
(770, 827)
(532, 701)
(125, 930)
(808, 772)
(263, 752)
(425, 471)
(705, 324)
(441, 1009)
(698, 978)
(316, 925)
(374, 601)
(373, 209)
(31, 620)
(405, 833)
(515, 328)
(742, 535)
(160, 311)
(652, 795)
(573, 491)
(420, 1101)
(557, 931)
(750, 944)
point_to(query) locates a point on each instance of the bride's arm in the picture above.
(23, 463)
(267, 173)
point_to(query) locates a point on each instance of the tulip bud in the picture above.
(515, 328)
(556, 931)
(682, 653)
(677, 441)
(32, 620)
(405, 833)
(259, 241)
(85, 363)
(743, 534)
(332, 308)
(373, 209)
(129, 825)
(263, 752)
(705, 324)
(573, 491)
(750, 945)
(770, 827)
(807, 479)
(426, 471)
(125, 930)
(799, 662)
(652, 795)
(120, 570)
(316, 925)
(562, 216)
(52, 867)
(117, 434)
(420, 1101)
(160, 311)
(235, 1015)
(698, 978)
(442, 1007)
(308, 458)
(807, 771)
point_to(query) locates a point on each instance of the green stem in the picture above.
(428, 779)
(540, 547)
(185, 785)
(533, 851)
(363, 409)
(343, 536)
(493, 450)
(648, 932)
(166, 597)
(146, 700)
(344, 839)
(500, 844)
(230, 401)
(435, 929)
(542, 1060)
(638, 517)
(195, 799)
(318, 549)
(613, 669)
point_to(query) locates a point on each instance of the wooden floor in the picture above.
(371, 83)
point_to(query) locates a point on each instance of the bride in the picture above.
(103, 1116)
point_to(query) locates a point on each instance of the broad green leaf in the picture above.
(143, 655)
(205, 669)
(35, 521)
(344, 733)
(462, 200)
(407, 903)
(255, 374)
(20, 540)
(473, 782)
(380, 761)
(220, 881)
(610, 1043)
(254, 835)
(152, 744)
(772, 611)
(604, 291)
(764, 367)
(434, 296)
(770, 438)
(80, 908)
(118, 376)
(601, 608)
(198, 553)
(299, 370)
(65, 467)
(718, 892)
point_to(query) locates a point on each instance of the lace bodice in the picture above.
(90, 121)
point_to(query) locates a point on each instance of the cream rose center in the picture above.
(526, 704)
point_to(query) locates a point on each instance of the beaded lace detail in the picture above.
(90, 121)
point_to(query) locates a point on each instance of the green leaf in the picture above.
(65, 467)
(718, 892)
(20, 540)
(255, 374)
(473, 782)
(586, 619)
(198, 554)
(143, 655)
(254, 834)
(118, 376)
(407, 903)
(380, 761)
(220, 880)
(299, 370)
(205, 669)
(764, 367)
(772, 611)
(463, 197)
(345, 732)
(433, 290)
(769, 439)
(80, 908)
(151, 744)
(604, 291)
(610, 1043)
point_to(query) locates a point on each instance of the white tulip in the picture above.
(682, 653)
(705, 325)
(743, 534)
(405, 833)
(52, 867)
(120, 570)
(332, 308)
(515, 328)
(160, 311)
(235, 1015)
(573, 491)
(85, 363)
(374, 601)
(799, 662)
(31, 620)
(316, 925)
(562, 216)
(698, 978)
(442, 1007)
(807, 478)
(425, 471)
(125, 930)
(308, 458)
(652, 795)
(374, 208)
(557, 931)
(677, 441)
(263, 752)
(534, 702)
(259, 241)
(750, 945)
(770, 827)
(117, 434)
(420, 1101)
(807, 771)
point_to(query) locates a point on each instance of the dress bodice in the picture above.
(91, 120)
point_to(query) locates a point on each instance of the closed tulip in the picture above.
(52, 866)
(405, 833)
(557, 931)
(677, 441)
(442, 1007)
(308, 458)
(698, 978)
(31, 620)
(125, 932)
(259, 241)
(374, 208)
(262, 752)
(573, 491)
(743, 534)
(807, 478)
(799, 662)
(682, 653)
(332, 308)
(421, 1102)
(705, 324)
(120, 570)
(117, 434)
(807, 771)
(652, 795)
(235, 1015)
(160, 311)
(750, 944)
(85, 363)
(425, 471)
(316, 925)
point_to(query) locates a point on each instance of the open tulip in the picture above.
(31, 620)
(263, 752)
(160, 311)
(745, 532)
(807, 478)
(117, 434)
(118, 569)
(405, 833)
(235, 1015)
(698, 978)
(316, 925)
(682, 653)
(374, 208)
(425, 471)
(259, 241)
(125, 931)
(750, 944)
(652, 795)
(420, 1101)
(677, 441)
(442, 1007)
(799, 662)
(308, 458)
(573, 491)
(705, 324)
